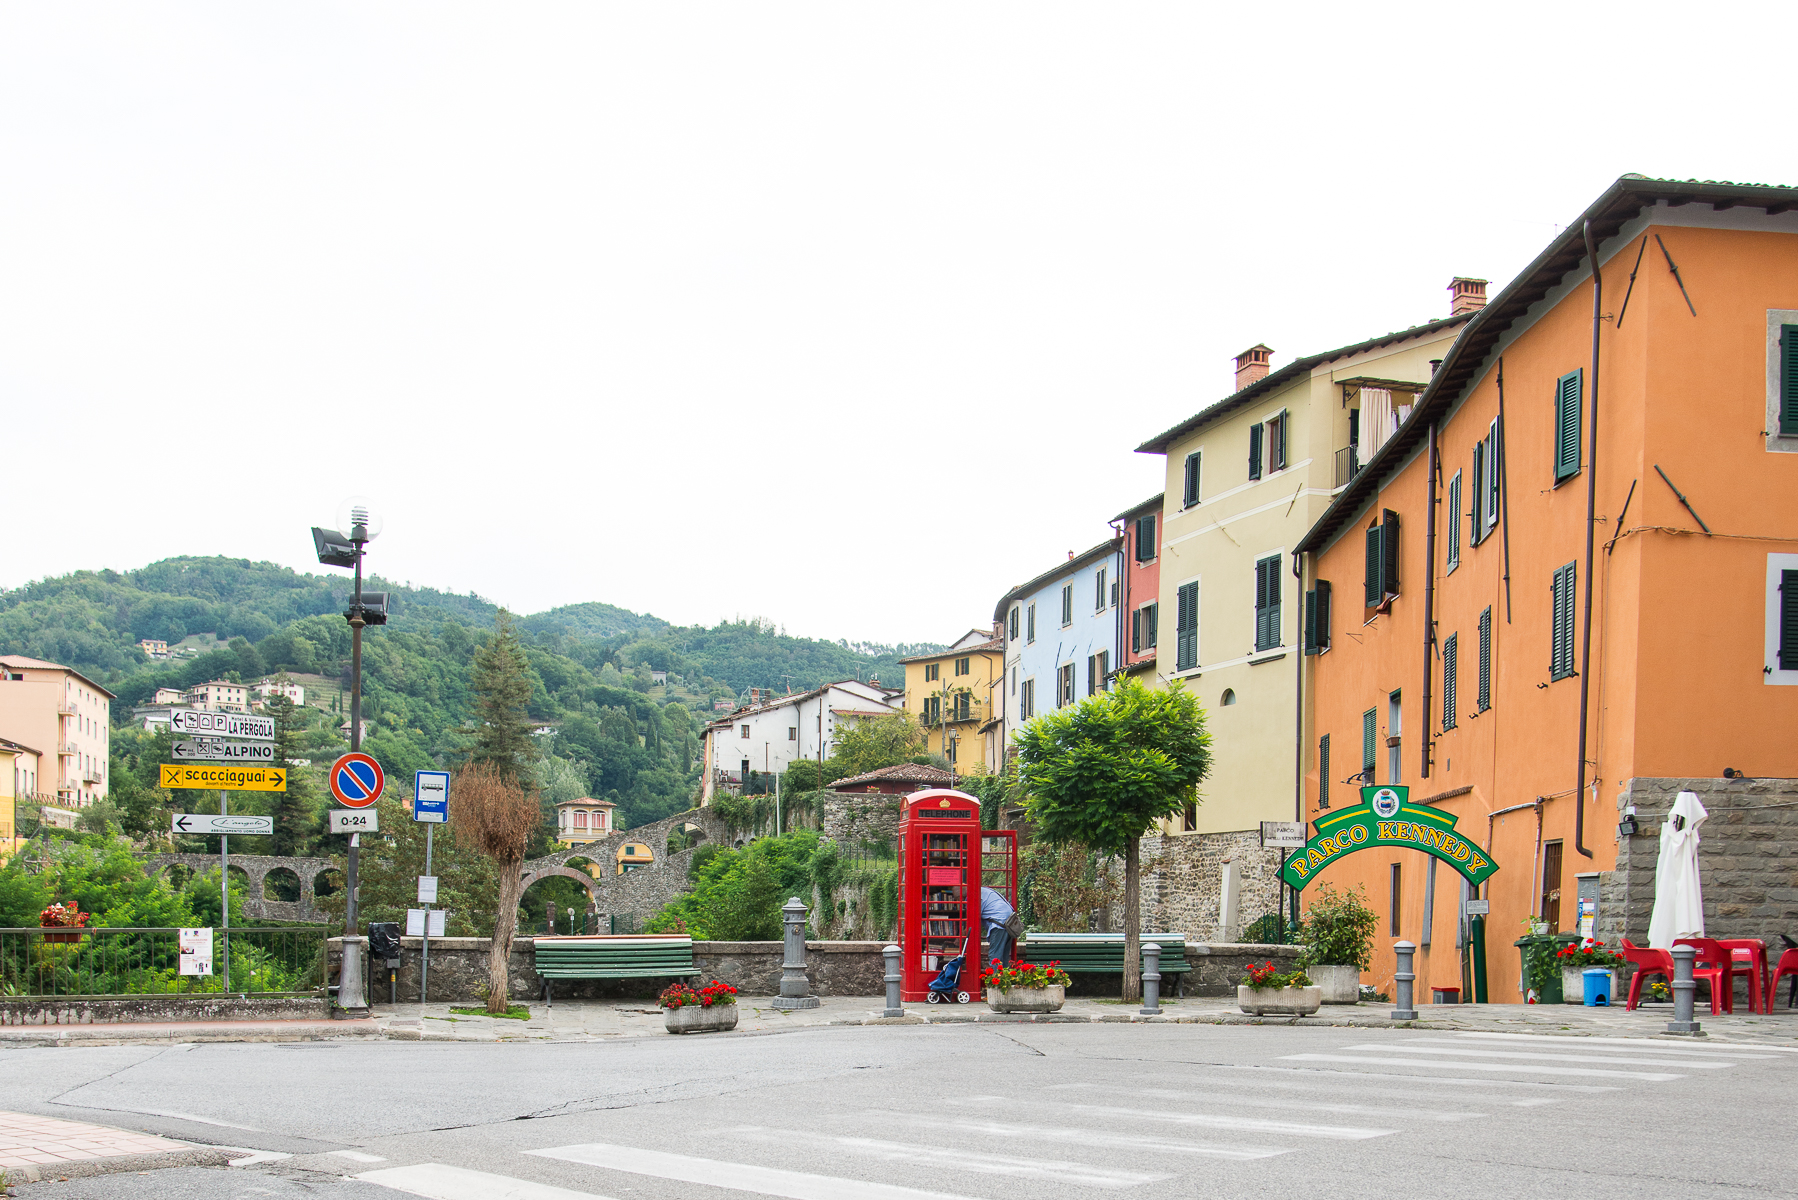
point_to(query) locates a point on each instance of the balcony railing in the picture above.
(1348, 465)
(974, 710)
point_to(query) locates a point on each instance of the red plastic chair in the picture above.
(1750, 957)
(1646, 962)
(1715, 966)
(1788, 965)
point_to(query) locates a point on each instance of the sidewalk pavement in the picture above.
(598, 1020)
(33, 1148)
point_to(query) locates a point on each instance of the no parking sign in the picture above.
(357, 779)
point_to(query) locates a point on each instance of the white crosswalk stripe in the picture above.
(1201, 1120)
(1459, 1065)
(1536, 1056)
(440, 1182)
(978, 1161)
(1356, 1110)
(1061, 1135)
(742, 1177)
(1659, 1047)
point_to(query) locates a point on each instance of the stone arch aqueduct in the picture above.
(642, 891)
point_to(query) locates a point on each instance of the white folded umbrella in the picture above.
(1678, 898)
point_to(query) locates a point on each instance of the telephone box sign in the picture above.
(1386, 817)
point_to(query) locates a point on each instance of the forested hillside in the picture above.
(607, 730)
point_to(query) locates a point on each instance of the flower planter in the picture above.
(64, 935)
(1340, 984)
(700, 1018)
(1027, 1000)
(1279, 1002)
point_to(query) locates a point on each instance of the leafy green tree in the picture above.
(502, 689)
(1104, 771)
(297, 810)
(875, 742)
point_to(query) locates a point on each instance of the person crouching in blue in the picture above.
(997, 919)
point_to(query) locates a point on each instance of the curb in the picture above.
(86, 1168)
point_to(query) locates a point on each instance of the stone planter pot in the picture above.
(1279, 1002)
(1027, 1000)
(1573, 985)
(699, 1018)
(1340, 984)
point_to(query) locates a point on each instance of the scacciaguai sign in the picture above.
(1386, 817)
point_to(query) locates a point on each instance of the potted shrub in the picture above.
(1026, 987)
(710, 1009)
(67, 918)
(1273, 993)
(1574, 961)
(1337, 933)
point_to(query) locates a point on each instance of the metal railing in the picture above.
(146, 961)
(1348, 465)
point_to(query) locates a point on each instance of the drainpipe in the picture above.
(1298, 741)
(1585, 651)
(1429, 602)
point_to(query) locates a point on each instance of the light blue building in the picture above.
(1063, 633)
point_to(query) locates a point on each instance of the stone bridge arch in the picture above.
(256, 868)
(642, 891)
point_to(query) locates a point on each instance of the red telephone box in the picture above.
(944, 859)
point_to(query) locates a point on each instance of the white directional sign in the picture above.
(223, 724)
(354, 820)
(220, 750)
(1289, 835)
(221, 823)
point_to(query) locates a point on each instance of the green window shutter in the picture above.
(1484, 700)
(1323, 771)
(1255, 451)
(1311, 622)
(1567, 425)
(1323, 614)
(1190, 494)
(1495, 475)
(1370, 728)
(1476, 523)
(1561, 633)
(1376, 558)
(1267, 603)
(1788, 619)
(1451, 656)
(1454, 522)
(1186, 627)
(1136, 632)
(1389, 553)
(1788, 380)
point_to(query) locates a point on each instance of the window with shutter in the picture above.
(1389, 552)
(1476, 525)
(1267, 603)
(1014, 623)
(1323, 771)
(1099, 591)
(1321, 616)
(1066, 690)
(1453, 532)
(1311, 622)
(1376, 558)
(1561, 624)
(1189, 494)
(1067, 604)
(1030, 623)
(1495, 475)
(1254, 452)
(1186, 627)
(1788, 381)
(1451, 662)
(1145, 538)
(1152, 624)
(1276, 442)
(1136, 632)
(1484, 699)
(1370, 731)
(1567, 425)
(1788, 617)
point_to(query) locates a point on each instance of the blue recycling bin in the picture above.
(1598, 987)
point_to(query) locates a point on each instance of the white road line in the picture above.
(1359, 1110)
(1526, 1068)
(356, 1156)
(1339, 1079)
(439, 1182)
(1083, 1136)
(982, 1162)
(252, 1157)
(741, 1177)
(181, 1116)
(1202, 1120)
(1654, 1044)
(1407, 1048)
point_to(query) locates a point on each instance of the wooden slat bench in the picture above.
(646, 956)
(1103, 953)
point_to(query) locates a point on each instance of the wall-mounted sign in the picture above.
(1386, 817)
(196, 951)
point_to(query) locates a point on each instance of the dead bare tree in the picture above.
(494, 816)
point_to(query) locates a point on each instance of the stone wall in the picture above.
(853, 818)
(1182, 875)
(89, 1010)
(1747, 860)
(459, 971)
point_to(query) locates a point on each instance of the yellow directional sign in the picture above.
(226, 779)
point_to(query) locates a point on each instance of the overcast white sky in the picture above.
(845, 315)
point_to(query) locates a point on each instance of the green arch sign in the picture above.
(1386, 817)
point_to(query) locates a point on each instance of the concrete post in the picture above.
(1683, 988)
(1404, 979)
(795, 990)
(894, 1008)
(1151, 979)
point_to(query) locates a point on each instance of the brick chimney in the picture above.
(1466, 295)
(1251, 364)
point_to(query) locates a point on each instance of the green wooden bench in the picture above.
(647, 956)
(1103, 953)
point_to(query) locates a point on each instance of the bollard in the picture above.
(1151, 980)
(1404, 978)
(894, 1008)
(1683, 988)
(795, 990)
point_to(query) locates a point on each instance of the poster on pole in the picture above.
(427, 889)
(196, 951)
(416, 925)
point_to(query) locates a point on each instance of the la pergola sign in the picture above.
(1386, 817)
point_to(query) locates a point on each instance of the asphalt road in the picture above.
(977, 1112)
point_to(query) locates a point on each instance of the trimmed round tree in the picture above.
(1104, 771)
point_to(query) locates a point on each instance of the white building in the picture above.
(772, 734)
(220, 695)
(169, 696)
(268, 689)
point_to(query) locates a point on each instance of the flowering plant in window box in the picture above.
(64, 916)
(699, 1010)
(1025, 987)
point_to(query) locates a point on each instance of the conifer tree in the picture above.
(296, 810)
(502, 687)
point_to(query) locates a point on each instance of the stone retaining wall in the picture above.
(86, 1010)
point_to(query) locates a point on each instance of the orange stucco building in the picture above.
(1457, 654)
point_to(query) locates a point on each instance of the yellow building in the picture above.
(585, 820)
(951, 695)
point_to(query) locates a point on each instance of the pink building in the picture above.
(63, 713)
(1141, 527)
